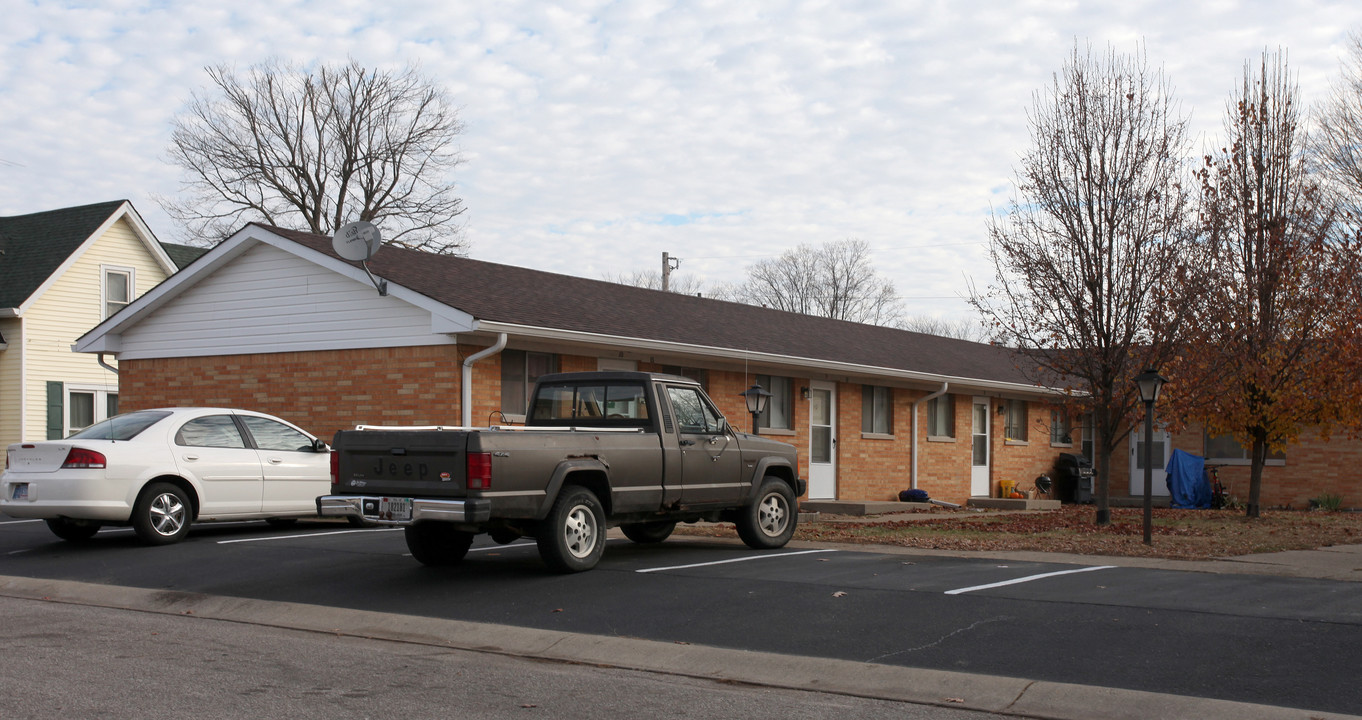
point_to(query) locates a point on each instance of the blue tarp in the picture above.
(1187, 483)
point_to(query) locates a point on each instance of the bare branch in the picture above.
(313, 150)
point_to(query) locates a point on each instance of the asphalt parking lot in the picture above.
(1244, 638)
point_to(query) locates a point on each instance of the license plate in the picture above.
(398, 509)
(20, 491)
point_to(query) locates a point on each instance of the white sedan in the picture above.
(161, 470)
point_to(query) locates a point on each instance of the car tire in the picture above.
(437, 544)
(572, 538)
(648, 532)
(162, 514)
(72, 530)
(770, 521)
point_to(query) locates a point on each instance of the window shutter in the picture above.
(56, 393)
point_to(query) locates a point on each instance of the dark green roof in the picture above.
(182, 255)
(32, 247)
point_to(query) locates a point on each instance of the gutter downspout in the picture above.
(100, 359)
(916, 404)
(466, 382)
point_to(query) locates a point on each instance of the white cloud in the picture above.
(601, 134)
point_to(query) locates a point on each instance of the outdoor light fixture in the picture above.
(756, 397)
(804, 392)
(1149, 382)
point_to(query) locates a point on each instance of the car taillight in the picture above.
(479, 471)
(82, 458)
(335, 468)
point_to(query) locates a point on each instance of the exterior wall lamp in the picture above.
(756, 397)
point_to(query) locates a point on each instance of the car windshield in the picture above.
(122, 427)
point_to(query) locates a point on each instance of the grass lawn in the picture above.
(1183, 534)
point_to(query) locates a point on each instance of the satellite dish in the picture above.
(357, 241)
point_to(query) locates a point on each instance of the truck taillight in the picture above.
(82, 458)
(335, 468)
(479, 471)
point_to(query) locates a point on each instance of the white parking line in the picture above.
(290, 537)
(16, 522)
(734, 560)
(1028, 578)
(501, 547)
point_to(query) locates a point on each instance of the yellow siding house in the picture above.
(61, 273)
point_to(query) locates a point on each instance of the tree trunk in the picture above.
(1259, 459)
(1101, 493)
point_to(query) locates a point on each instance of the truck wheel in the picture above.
(72, 530)
(572, 537)
(162, 514)
(437, 544)
(648, 532)
(770, 521)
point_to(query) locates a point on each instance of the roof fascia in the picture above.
(74, 257)
(106, 337)
(829, 366)
(148, 238)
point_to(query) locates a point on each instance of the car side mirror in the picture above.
(319, 445)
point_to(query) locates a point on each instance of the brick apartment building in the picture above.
(273, 320)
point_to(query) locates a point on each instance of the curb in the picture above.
(986, 693)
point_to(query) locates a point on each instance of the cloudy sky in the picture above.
(601, 134)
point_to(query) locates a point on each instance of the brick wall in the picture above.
(332, 390)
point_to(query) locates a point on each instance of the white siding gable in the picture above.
(268, 300)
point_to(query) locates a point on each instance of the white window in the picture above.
(519, 371)
(116, 288)
(779, 413)
(1225, 449)
(941, 416)
(1060, 432)
(1015, 424)
(86, 405)
(877, 410)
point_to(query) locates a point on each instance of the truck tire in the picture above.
(572, 537)
(648, 532)
(72, 530)
(162, 514)
(437, 544)
(770, 521)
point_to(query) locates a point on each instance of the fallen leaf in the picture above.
(953, 700)
(839, 593)
(559, 610)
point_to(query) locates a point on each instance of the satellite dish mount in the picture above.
(357, 242)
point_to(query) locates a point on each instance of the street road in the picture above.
(1257, 639)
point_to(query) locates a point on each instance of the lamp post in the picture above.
(756, 397)
(1149, 382)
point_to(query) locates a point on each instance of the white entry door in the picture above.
(822, 441)
(1158, 478)
(979, 442)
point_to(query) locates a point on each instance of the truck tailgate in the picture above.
(398, 462)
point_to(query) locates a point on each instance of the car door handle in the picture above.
(276, 461)
(686, 442)
(191, 458)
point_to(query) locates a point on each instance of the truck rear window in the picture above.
(590, 404)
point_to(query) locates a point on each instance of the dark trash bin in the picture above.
(1073, 478)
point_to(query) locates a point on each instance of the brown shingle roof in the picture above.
(508, 294)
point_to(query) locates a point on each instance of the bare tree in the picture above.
(1275, 319)
(1097, 224)
(1337, 140)
(835, 280)
(682, 284)
(315, 149)
(959, 328)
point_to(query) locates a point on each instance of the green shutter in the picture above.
(56, 394)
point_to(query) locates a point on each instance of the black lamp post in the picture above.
(756, 397)
(1149, 382)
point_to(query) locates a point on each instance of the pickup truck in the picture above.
(641, 451)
